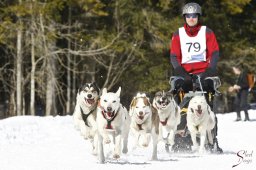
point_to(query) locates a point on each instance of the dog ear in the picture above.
(104, 91)
(80, 88)
(133, 102)
(96, 87)
(131, 110)
(146, 101)
(118, 92)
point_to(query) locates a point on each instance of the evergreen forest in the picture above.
(50, 48)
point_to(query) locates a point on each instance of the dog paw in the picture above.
(202, 151)
(125, 150)
(90, 136)
(116, 156)
(154, 158)
(94, 152)
(107, 141)
(145, 144)
(84, 135)
(170, 141)
(77, 127)
(194, 148)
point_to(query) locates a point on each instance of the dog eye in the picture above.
(114, 101)
(105, 100)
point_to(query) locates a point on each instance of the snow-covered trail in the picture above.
(52, 143)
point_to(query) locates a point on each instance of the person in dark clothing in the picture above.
(242, 89)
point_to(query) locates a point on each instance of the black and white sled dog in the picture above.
(169, 115)
(84, 115)
(113, 123)
(200, 121)
(144, 122)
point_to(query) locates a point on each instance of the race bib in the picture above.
(193, 49)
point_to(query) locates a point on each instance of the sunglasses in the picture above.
(191, 15)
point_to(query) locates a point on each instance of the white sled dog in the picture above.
(200, 120)
(144, 122)
(84, 115)
(169, 115)
(112, 121)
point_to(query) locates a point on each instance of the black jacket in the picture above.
(242, 81)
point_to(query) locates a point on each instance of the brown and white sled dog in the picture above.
(112, 121)
(84, 115)
(200, 120)
(169, 115)
(144, 122)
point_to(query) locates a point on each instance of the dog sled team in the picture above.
(101, 118)
(183, 117)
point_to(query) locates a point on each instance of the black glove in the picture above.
(209, 72)
(180, 71)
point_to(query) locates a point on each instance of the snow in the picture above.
(52, 143)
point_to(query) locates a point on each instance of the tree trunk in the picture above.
(32, 81)
(50, 89)
(74, 88)
(91, 70)
(33, 66)
(19, 72)
(11, 106)
(50, 68)
(68, 102)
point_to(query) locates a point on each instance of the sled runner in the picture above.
(183, 142)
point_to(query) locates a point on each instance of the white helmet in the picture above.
(191, 8)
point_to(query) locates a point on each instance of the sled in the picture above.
(183, 142)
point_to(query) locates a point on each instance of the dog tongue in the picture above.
(90, 101)
(109, 114)
(199, 111)
(141, 117)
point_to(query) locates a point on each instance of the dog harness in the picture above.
(85, 116)
(140, 126)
